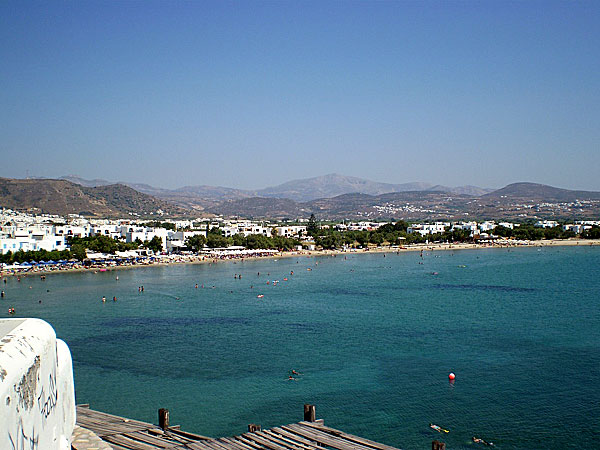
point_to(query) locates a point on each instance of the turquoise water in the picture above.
(374, 338)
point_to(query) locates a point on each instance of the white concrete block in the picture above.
(37, 399)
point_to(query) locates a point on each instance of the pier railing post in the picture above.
(309, 413)
(252, 427)
(163, 418)
(437, 445)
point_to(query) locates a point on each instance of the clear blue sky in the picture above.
(250, 94)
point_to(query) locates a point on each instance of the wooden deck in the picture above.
(121, 433)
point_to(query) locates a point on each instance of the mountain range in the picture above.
(360, 199)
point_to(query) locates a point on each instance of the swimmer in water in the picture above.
(103, 299)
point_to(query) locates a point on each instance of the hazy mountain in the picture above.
(543, 192)
(475, 191)
(215, 192)
(505, 203)
(302, 190)
(82, 181)
(64, 197)
(332, 185)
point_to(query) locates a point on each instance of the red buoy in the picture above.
(451, 376)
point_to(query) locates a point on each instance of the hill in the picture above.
(332, 185)
(46, 196)
(535, 191)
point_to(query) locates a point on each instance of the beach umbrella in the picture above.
(26, 264)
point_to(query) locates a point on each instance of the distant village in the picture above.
(22, 232)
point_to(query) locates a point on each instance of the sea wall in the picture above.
(37, 397)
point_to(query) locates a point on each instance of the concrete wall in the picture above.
(37, 397)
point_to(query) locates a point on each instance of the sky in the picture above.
(250, 94)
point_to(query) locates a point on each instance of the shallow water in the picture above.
(374, 338)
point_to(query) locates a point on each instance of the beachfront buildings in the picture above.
(291, 231)
(31, 239)
(245, 228)
(428, 228)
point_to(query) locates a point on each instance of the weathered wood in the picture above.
(294, 443)
(323, 438)
(349, 437)
(163, 418)
(188, 435)
(322, 433)
(127, 442)
(235, 444)
(126, 434)
(294, 437)
(265, 443)
(249, 443)
(309, 413)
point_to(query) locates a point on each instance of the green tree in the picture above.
(78, 251)
(592, 233)
(238, 239)
(155, 244)
(217, 240)
(196, 242)
(312, 229)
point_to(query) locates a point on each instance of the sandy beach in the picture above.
(166, 260)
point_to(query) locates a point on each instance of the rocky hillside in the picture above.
(63, 197)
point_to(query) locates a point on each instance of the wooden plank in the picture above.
(280, 440)
(294, 442)
(320, 440)
(128, 442)
(192, 436)
(248, 442)
(350, 437)
(324, 438)
(151, 440)
(200, 445)
(212, 445)
(265, 443)
(295, 437)
(234, 444)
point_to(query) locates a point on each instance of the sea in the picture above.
(373, 338)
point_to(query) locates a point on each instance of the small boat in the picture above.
(438, 428)
(260, 296)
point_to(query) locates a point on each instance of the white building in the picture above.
(428, 228)
(176, 239)
(546, 224)
(291, 231)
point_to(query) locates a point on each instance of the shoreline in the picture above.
(197, 259)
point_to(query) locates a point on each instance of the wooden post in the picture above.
(309, 413)
(163, 418)
(252, 427)
(437, 445)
